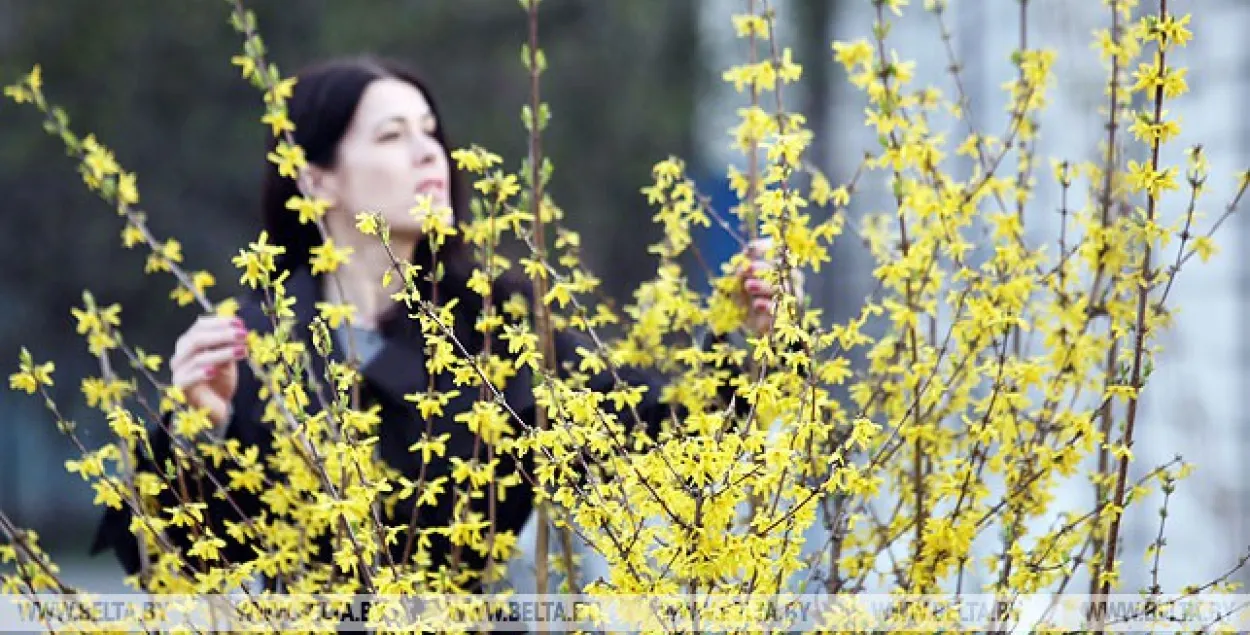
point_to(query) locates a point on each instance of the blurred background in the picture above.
(630, 83)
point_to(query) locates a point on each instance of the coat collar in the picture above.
(399, 366)
(399, 369)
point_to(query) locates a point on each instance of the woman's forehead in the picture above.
(388, 98)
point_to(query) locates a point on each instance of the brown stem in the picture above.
(1139, 345)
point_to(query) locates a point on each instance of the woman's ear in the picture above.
(319, 183)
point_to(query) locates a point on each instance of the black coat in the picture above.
(397, 369)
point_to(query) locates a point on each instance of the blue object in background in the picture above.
(714, 243)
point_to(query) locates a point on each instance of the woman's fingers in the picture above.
(210, 332)
(758, 287)
(209, 343)
(205, 364)
(757, 273)
(755, 279)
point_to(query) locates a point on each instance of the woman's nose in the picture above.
(424, 152)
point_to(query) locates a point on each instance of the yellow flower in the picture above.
(208, 547)
(106, 494)
(150, 362)
(857, 53)
(504, 546)
(1205, 247)
(246, 64)
(123, 423)
(1174, 31)
(1142, 177)
(92, 463)
(1121, 391)
(30, 86)
(487, 420)
(559, 293)
(337, 314)
(127, 188)
(436, 227)
(99, 164)
(479, 283)
(30, 375)
(363, 422)
(475, 159)
(258, 261)
(278, 122)
(172, 398)
(502, 186)
(201, 280)
(429, 494)
(249, 477)
(431, 405)
(280, 91)
(164, 257)
(18, 94)
(227, 308)
(789, 71)
(310, 210)
(189, 423)
(132, 235)
(289, 159)
(368, 223)
(35, 78)
(748, 25)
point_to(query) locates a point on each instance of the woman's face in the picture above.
(389, 160)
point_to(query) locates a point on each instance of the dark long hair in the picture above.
(321, 106)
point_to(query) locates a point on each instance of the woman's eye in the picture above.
(389, 135)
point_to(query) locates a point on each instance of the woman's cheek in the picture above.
(387, 192)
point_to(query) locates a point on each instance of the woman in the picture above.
(374, 141)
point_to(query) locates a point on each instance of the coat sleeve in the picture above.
(186, 481)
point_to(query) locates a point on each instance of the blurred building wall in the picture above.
(1193, 405)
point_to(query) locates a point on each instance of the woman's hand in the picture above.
(757, 291)
(205, 364)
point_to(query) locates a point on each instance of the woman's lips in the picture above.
(431, 186)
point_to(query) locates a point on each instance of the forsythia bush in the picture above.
(1004, 366)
